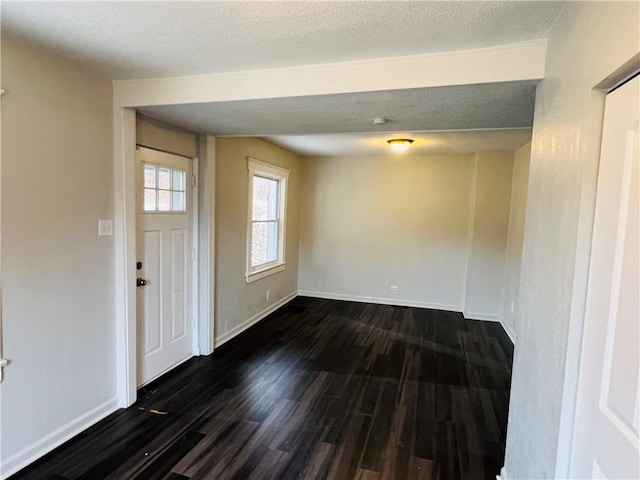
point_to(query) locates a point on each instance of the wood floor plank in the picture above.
(321, 389)
(161, 465)
(320, 462)
(362, 474)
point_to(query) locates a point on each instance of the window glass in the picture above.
(259, 244)
(265, 198)
(178, 180)
(164, 189)
(164, 200)
(164, 178)
(272, 241)
(149, 176)
(178, 203)
(149, 199)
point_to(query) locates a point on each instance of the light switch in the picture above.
(105, 228)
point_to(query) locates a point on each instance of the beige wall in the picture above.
(57, 274)
(486, 267)
(589, 42)
(162, 136)
(368, 223)
(238, 303)
(521, 160)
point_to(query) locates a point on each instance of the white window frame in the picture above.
(266, 170)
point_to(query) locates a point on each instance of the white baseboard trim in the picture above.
(492, 317)
(510, 333)
(225, 337)
(489, 317)
(36, 450)
(381, 301)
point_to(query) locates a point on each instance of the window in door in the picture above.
(164, 189)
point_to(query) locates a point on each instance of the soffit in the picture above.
(463, 107)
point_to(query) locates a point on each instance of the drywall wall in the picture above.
(239, 304)
(206, 237)
(57, 274)
(490, 224)
(370, 223)
(153, 133)
(589, 42)
(517, 212)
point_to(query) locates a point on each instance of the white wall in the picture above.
(590, 41)
(239, 304)
(521, 160)
(368, 223)
(57, 274)
(490, 224)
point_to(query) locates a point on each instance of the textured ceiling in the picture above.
(125, 40)
(500, 105)
(159, 39)
(327, 124)
(460, 142)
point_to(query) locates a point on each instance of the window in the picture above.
(164, 189)
(266, 214)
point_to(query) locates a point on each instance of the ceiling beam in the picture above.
(503, 63)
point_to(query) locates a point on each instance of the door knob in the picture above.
(140, 282)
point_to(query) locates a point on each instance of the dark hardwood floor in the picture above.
(320, 389)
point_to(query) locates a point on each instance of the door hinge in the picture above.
(193, 254)
(193, 181)
(3, 362)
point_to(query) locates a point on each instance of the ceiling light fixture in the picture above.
(400, 144)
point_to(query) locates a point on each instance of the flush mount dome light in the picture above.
(400, 144)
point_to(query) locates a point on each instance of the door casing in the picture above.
(124, 123)
(617, 185)
(583, 254)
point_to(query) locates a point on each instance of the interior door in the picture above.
(605, 441)
(164, 246)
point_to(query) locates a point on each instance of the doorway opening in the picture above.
(166, 265)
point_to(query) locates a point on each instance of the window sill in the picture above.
(257, 275)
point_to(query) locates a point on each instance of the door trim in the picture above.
(583, 260)
(124, 129)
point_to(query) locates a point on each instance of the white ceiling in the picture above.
(127, 40)
(425, 143)
(160, 39)
(498, 105)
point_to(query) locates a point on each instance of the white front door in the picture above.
(605, 440)
(164, 246)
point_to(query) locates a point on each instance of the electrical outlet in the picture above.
(394, 288)
(267, 295)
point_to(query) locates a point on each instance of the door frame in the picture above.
(192, 226)
(609, 252)
(583, 261)
(124, 134)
